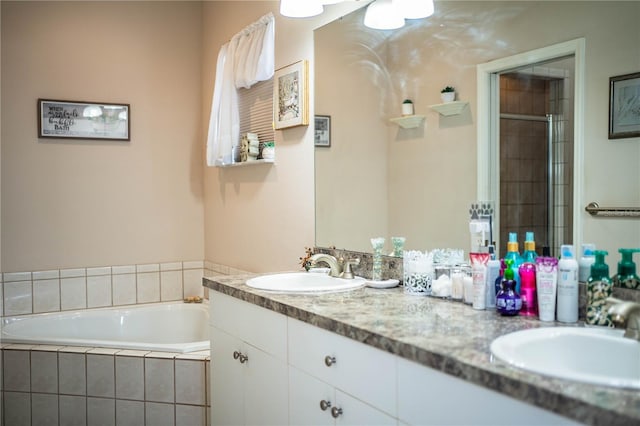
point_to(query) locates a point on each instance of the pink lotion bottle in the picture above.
(528, 290)
(527, 272)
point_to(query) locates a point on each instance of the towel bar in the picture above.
(595, 210)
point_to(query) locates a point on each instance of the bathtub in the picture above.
(165, 327)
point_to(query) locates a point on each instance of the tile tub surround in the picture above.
(447, 336)
(74, 385)
(23, 293)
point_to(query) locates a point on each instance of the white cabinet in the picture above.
(429, 397)
(356, 382)
(267, 369)
(248, 367)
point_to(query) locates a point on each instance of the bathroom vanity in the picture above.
(371, 356)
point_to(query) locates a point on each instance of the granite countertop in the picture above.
(445, 335)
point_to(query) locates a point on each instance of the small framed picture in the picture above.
(291, 95)
(322, 130)
(624, 106)
(83, 120)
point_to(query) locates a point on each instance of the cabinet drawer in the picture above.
(429, 397)
(262, 328)
(362, 371)
(306, 393)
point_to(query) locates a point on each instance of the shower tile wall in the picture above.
(523, 159)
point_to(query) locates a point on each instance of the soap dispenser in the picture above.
(626, 276)
(599, 288)
(508, 301)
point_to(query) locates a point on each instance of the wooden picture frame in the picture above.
(83, 120)
(291, 95)
(322, 131)
(624, 106)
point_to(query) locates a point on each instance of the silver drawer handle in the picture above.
(324, 405)
(336, 412)
(329, 360)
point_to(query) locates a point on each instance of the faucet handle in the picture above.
(347, 273)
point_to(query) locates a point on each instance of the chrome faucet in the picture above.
(336, 265)
(625, 314)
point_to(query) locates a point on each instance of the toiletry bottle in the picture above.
(514, 255)
(599, 288)
(527, 273)
(508, 301)
(493, 272)
(479, 272)
(585, 262)
(498, 282)
(547, 285)
(626, 276)
(567, 285)
(528, 290)
(529, 254)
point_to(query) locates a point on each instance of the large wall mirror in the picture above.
(379, 179)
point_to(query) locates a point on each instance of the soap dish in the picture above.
(382, 283)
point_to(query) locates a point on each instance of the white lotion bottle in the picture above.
(584, 265)
(567, 285)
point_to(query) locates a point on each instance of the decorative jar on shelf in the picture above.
(407, 107)
(448, 94)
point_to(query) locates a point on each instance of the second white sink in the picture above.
(304, 282)
(592, 354)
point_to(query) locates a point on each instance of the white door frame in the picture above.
(488, 178)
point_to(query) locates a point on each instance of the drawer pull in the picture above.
(336, 412)
(324, 405)
(329, 360)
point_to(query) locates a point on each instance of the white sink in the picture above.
(595, 355)
(304, 282)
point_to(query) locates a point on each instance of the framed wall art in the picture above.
(291, 95)
(83, 120)
(624, 106)
(322, 130)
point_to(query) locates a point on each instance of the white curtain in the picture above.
(246, 59)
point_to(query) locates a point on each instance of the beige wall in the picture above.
(260, 218)
(69, 203)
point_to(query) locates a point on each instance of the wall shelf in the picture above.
(409, 121)
(450, 108)
(248, 163)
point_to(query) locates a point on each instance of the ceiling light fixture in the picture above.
(414, 9)
(301, 8)
(382, 15)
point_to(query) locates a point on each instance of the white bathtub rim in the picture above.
(185, 347)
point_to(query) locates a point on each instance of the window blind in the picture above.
(256, 110)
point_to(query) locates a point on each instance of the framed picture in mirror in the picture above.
(322, 131)
(624, 106)
(291, 95)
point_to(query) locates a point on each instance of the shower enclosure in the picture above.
(536, 154)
